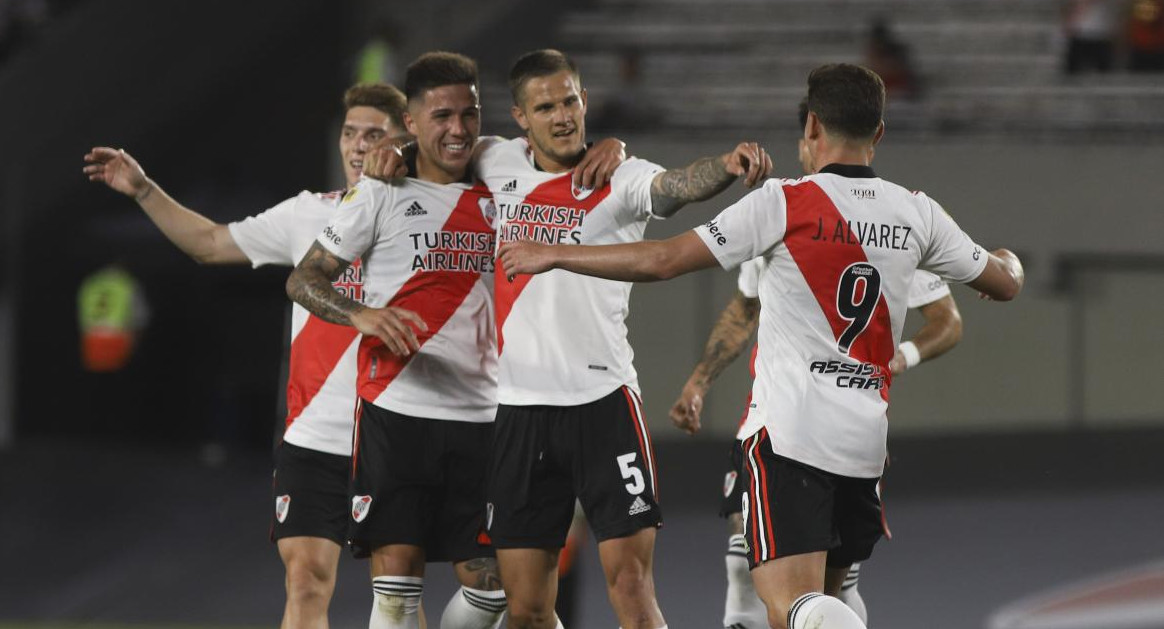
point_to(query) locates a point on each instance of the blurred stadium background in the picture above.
(1027, 472)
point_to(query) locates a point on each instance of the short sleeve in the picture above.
(266, 238)
(485, 153)
(951, 253)
(749, 279)
(925, 288)
(632, 182)
(353, 229)
(749, 228)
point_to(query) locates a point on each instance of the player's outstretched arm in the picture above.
(200, 238)
(646, 261)
(707, 177)
(1002, 279)
(727, 340)
(599, 163)
(310, 285)
(939, 334)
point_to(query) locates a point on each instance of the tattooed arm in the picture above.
(728, 338)
(707, 177)
(310, 285)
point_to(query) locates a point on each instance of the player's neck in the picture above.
(426, 170)
(846, 154)
(545, 163)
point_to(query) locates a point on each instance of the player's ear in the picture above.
(879, 134)
(409, 123)
(519, 117)
(582, 95)
(812, 127)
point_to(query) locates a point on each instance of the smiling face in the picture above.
(363, 128)
(446, 121)
(552, 112)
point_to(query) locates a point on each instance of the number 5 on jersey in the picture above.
(634, 475)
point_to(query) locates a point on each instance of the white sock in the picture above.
(851, 597)
(742, 607)
(473, 609)
(396, 602)
(818, 611)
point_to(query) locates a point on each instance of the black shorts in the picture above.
(790, 508)
(419, 482)
(546, 456)
(733, 481)
(311, 494)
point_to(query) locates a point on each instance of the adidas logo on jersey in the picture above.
(509, 187)
(639, 506)
(415, 210)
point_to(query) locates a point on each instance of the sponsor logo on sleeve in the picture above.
(716, 232)
(977, 253)
(331, 234)
(351, 194)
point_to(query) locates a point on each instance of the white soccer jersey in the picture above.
(841, 248)
(562, 336)
(321, 385)
(428, 248)
(926, 288)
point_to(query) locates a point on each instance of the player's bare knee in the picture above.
(632, 582)
(309, 580)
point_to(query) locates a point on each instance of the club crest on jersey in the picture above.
(360, 507)
(729, 483)
(488, 211)
(580, 192)
(282, 505)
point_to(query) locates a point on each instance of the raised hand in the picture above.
(118, 170)
(750, 161)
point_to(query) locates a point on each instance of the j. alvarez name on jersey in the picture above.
(863, 233)
(548, 224)
(852, 375)
(467, 251)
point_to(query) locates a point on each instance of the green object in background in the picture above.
(106, 300)
(373, 63)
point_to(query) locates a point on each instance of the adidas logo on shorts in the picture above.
(509, 187)
(639, 506)
(415, 210)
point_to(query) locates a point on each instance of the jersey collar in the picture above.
(852, 171)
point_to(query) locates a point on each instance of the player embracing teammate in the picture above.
(840, 248)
